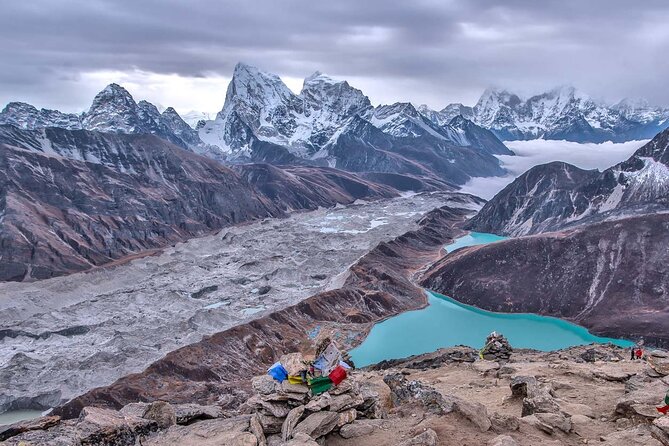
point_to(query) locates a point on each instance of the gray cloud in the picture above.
(429, 51)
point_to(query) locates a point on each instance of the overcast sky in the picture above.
(58, 54)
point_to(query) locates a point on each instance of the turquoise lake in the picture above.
(446, 323)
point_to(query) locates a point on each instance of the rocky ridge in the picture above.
(610, 277)
(113, 110)
(569, 397)
(563, 113)
(75, 199)
(559, 195)
(332, 123)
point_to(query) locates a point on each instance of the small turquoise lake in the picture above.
(446, 323)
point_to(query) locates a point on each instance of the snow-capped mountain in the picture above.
(26, 116)
(328, 123)
(193, 117)
(113, 111)
(639, 110)
(259, 105)
(331, 122)
(565, 113)
(403, 120)
(558, 195)
(445, 115)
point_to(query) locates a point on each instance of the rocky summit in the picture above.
(581, 395)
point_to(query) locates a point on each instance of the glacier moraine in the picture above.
(64, 336)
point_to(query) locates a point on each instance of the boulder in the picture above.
(214, 432)
(600, 353)
(62, 434)
(346, 417)
(345, 401)
(40, 423)
(555, 420)
(504, 423)
(264, 384)
(319, 403)
(427, 438)
(376, 399)
(404, 391)
(542, 402)
(294, 388)
(293, 363)
(474, 412)
(519, 385)
(659, 363)
(244, 439)
(538, 398)
(318, 424)
(290, 422)
(135, 409)
(613, 375)
(270, 424)
(188, 413)
(636, 436)
(533, 421)
(642, 395)
(277, 409)
(256, 429)
(162, 413)
(660, 430)
(356, 429)
(580, 424)
(300, 439)
(105, 426)
(502, 440)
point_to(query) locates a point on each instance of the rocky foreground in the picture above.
(582, 395)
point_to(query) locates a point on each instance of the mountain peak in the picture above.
(170, 111)
(114, 90)
(255, 88)
(499, 95)
(14, 107)
(319, 78)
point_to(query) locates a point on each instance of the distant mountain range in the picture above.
(71, 200)
(329, 123)
(563, 113)
(559, 195)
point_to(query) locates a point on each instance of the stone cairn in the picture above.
(291, 414)
(496, 348)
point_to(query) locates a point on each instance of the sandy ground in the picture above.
(572, 383)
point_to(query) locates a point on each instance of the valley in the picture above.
(64, 336)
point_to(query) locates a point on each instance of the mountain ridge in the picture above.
(557, 195)
(562, 113)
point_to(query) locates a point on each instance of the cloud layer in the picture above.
(430, 51)
(540, 151)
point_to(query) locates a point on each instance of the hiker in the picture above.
(639, 353)
(664, 409)
(632, 349)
